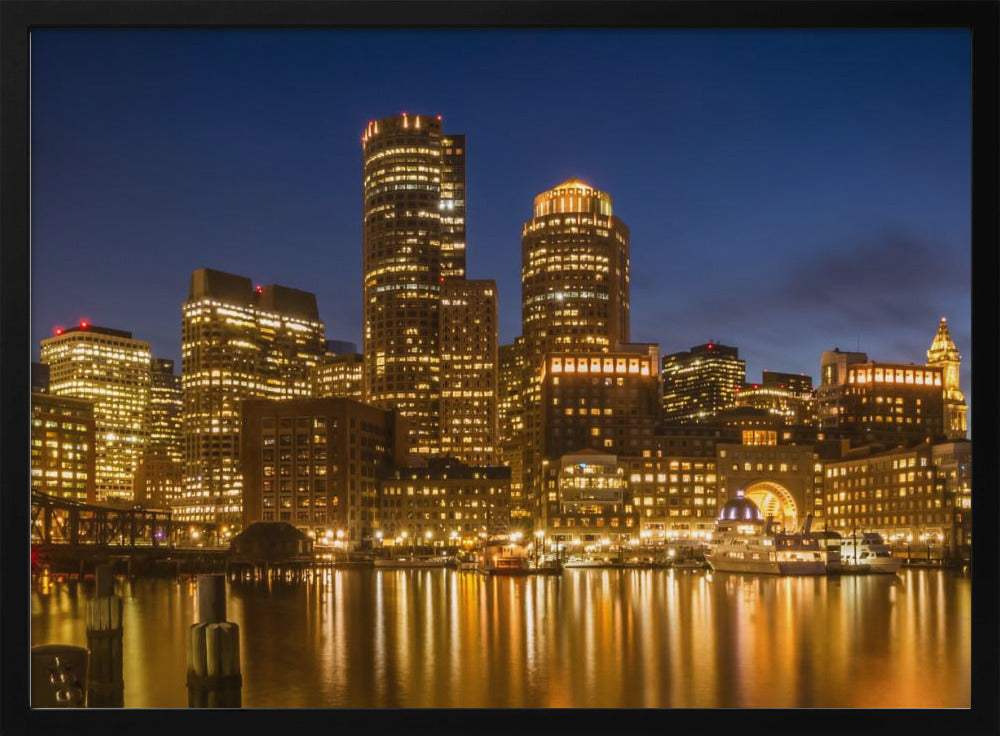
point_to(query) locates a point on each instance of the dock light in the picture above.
(340, 534)
(378, 535)
(195, 535)
(405, 534)
(427, 534)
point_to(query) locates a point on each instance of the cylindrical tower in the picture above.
(574, 273)
(402, 271)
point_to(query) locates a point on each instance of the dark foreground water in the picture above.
(602, 638)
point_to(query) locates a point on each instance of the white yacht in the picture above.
(868, 550)
(744, 542)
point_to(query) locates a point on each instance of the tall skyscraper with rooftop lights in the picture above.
(413, 241)
(239, 342)
(111, 369)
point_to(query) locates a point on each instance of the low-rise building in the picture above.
(917, 497)
(443, 504)
(317, 463)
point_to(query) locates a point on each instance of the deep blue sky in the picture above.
(787, 192)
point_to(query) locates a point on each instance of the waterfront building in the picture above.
(699, 382)
(339, 375)
(443, 504)
(674, 496)
(511, 396)
(403, 269)
(158, 479)
(468, 340)
(785, 481)
(316, 463)
(111, 369)
(587, 502)
(788, 397)
(944, 355)
(238, 342)
(916, 497)
(63, 453)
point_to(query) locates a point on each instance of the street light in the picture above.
(539, 534)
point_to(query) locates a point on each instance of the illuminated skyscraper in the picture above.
(238, 342)
(111, 369)
(699, 382)
(574, 293)
(944, 355)
(574, 273)
(411, 178)
(511, 386)
(453, 206)
(468, 335)
(158, 478)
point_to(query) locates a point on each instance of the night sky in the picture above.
(787, 192)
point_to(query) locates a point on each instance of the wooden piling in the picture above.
(106, 684)
(213, 651)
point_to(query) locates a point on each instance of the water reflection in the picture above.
(602, 638)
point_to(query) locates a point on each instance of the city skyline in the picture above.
(695, 209)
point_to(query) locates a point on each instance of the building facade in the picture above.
(788, 397)
(468, 339)
(918, 498)
(316, 463)
(833, 379)
(111, 369)
(443, 504)
(892, 403)
(158, 479)
(511, 397)
(587, 502)
(699, 382)
(607, 402)
(784, 480)
(63, 452)
(339, 375)
(238, 342)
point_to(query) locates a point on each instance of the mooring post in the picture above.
(213, 652)
(104, 639)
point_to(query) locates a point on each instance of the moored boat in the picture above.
(869, 551)
(412, 562)
(504, 559)
(744, 542)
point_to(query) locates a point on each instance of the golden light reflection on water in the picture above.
(603, 638)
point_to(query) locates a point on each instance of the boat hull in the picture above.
(886, 565)
(722, 563)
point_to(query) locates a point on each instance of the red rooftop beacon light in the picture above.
(259, 289)
(58, 330)
(709, 346)
(84, 324)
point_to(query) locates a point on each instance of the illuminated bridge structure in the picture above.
(71, 534)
